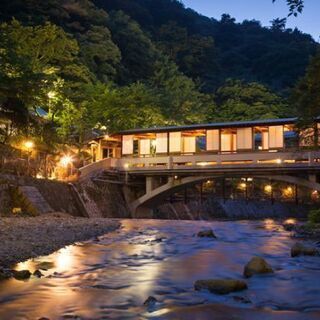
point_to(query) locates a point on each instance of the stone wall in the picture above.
(57, 194)
(231, 209)
(107, 197)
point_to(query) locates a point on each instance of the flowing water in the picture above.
(111, 278)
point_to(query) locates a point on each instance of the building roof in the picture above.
(216, 125)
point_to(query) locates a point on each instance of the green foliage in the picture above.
(237, 100)
(138, 53)
(114, 65)
(295, 6)
(119, 108)
(180, 99)
(314, 216)
(306, 96)
(214, 51)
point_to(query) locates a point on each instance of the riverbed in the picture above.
(111, 278)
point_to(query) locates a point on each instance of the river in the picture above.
(111, 278)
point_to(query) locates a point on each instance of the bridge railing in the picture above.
(254, 160)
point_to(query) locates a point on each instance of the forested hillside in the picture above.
(117, 64)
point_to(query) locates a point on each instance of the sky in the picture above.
(262, 10)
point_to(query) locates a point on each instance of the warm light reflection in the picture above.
(64, 259)
(290, 221)
(269, 224)
(25, 265)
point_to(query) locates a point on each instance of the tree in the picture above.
(295, 6)
(138, 53)
(113, 109)
(33, 61)
(306, 97)
(239, 101)
(82, 19)
(181, 102)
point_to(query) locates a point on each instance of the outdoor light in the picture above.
(202, 164)
(279, 161)
(268, 188)
(126, 165)
(66, 160)
(175, 177)
(243, 185)
(51, 94)
(106, 136)
(29, 144)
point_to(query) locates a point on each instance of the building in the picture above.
(261, 136)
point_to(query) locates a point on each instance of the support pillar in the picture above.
(246, 190)
(224, 189)
(149, 184)
(296, 194)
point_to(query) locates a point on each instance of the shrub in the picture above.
(314, 216)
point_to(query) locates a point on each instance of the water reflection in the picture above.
(112, 278)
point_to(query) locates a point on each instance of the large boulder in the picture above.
(21, 275)
(206, 234)
(220, 286)
(302, 250)
(256, 265)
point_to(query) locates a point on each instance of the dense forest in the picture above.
(106, 65)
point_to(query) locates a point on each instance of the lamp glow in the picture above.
(268, 188)
(29, 144)
(66, 160)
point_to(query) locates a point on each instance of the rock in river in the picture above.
(302, 250)
(38, 274)
(256, 265)
(206, 234)
(5, 273)
(150, 301)
(21, 275)
(221, 286)
(289, 226)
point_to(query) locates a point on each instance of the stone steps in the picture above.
(35, 199)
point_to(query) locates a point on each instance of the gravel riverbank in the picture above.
(24, 238)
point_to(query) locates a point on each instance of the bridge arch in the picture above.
(158, 195)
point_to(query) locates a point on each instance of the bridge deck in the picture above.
(246, 163)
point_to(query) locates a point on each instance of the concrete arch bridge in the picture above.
(161, 177)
